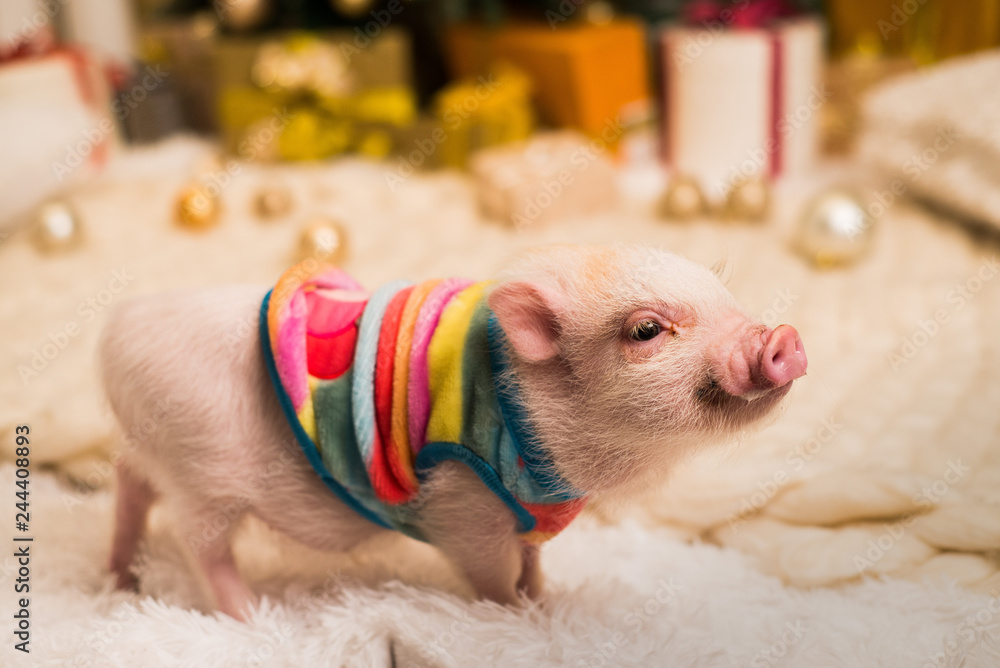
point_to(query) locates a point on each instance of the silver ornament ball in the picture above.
(57, 227)
(834, 229)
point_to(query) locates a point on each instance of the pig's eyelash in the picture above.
(667, 325)
(722, 270)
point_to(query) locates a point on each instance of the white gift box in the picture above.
(741, 103)
(55, 127)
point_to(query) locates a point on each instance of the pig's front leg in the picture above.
(531, 581)
(473, 528)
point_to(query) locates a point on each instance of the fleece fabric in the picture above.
(380, 388)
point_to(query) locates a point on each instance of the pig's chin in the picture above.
(744, 408)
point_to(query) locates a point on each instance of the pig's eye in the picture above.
(644, 330)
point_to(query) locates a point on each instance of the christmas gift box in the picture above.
(553, 176)
(56, 126)
(306, 96)
(916, 29)
(481, 112)
(742, 93)
(184, 49)
(584, 76)
(380, 62)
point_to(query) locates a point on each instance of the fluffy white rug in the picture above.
(623, 596)
(826, 494)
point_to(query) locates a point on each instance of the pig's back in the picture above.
(184, 371)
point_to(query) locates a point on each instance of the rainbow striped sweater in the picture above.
(379, 388)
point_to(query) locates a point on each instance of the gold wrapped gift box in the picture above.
(308, 97)
(485, 111)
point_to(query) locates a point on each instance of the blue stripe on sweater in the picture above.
(363, 382)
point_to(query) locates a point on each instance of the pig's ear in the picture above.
(528, 314)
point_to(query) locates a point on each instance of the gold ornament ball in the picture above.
(834, 229)
(351, 8)
(197, 207)
(273, 202)
(243, 15)
(749, 200)
(684, 199)
(599, 12)
(325, 240)
(57, 227)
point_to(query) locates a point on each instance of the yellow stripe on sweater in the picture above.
(445, 366)
(307, 413)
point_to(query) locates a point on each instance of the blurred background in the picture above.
(710, 102)
(717, 91)
(840, 158)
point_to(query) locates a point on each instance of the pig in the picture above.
(628, 358)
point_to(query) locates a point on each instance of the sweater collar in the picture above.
(514, 414)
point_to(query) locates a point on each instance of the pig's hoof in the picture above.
(125, 580)
(241, 613)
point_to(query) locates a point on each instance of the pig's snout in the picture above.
(783, 358)
(759, 361)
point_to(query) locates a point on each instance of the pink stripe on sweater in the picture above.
(290, 344)
(290, 351)
(418, 390)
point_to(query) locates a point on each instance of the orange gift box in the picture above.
(584, 75)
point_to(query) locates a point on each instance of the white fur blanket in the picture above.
(622, 596)
(886, 460)
(935, 133)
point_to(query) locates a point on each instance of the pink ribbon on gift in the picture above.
(743, 14)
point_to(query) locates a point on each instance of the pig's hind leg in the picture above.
(207, 531)
(206, 537)
(133, 499)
